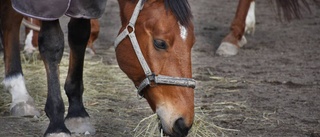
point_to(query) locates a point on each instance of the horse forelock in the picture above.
(181, 10)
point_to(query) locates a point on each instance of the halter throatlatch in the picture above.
(150, 77)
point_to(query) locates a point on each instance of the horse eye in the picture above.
(160, 44)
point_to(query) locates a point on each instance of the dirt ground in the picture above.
(270, 89)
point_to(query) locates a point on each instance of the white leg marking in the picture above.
(28, 47)
(16, 86)
(251, 20)
(183, 32)
(80, 126)
(22, 103)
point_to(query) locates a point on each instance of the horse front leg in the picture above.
(243, 21)
(77, 119)
(51, 45)
(22, 103)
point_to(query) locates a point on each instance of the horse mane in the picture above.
(290, 9)
(181, 10)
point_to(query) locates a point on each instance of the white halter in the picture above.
(150, 77)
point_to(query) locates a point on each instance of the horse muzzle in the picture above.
(174, 125)
(179, 129)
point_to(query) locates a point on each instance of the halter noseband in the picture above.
(150, 77)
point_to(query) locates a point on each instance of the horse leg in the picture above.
(95, 28)
(51, 45)
(251, 19)
(77, 119)
(32, 27)
(22, 103)
(235, 39)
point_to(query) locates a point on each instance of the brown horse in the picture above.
(153, 49)
(244, 21)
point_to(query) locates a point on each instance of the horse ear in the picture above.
(292, 9)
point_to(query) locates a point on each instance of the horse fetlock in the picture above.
(80, 126)
(227, 49)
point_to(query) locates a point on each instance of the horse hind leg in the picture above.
(236, 39)
(29, 48)
(22, 103)
(77, 119)
(95, 28)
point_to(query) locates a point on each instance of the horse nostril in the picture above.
(180, 129)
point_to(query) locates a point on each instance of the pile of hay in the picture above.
(149, 127)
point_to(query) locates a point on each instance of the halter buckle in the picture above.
(152, 80)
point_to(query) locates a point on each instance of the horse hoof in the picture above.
(227, 49)
(24, 109)
(91, 51)
(58, 135)
(80, 126)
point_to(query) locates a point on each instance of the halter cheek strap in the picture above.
(150, 77)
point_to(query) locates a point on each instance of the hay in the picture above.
(149, 127)
(202, 128)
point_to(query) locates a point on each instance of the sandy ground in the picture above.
(270, 89)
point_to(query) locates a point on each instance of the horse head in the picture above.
(154, 50)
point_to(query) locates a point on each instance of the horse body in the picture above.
(165, 35)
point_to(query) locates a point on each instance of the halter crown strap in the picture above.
(133, 38)
(150, 77)
(131, 24)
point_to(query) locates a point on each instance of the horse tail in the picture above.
(291, 9)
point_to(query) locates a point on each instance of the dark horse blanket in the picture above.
(53, 9)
